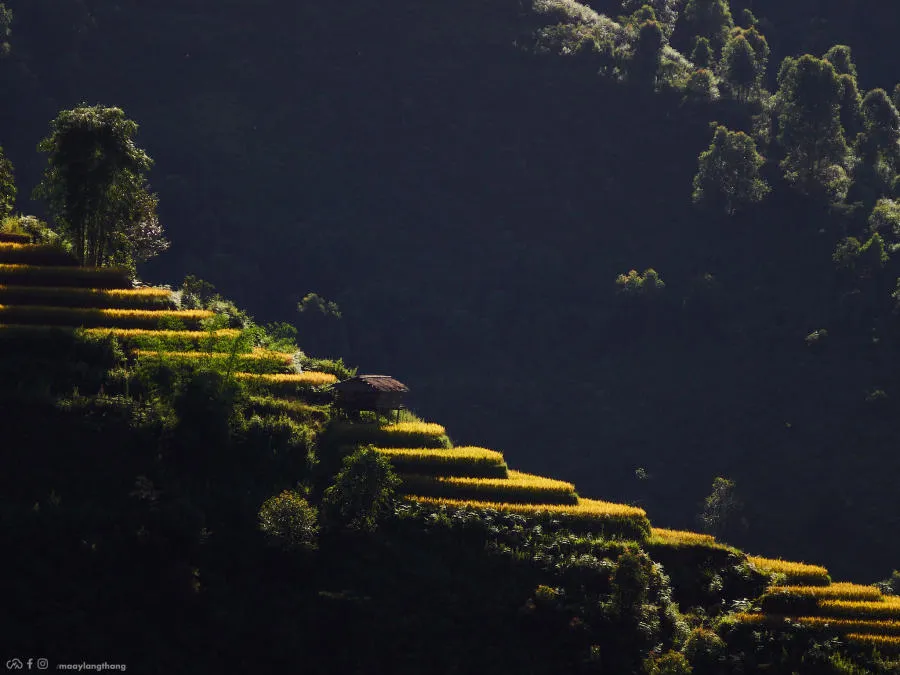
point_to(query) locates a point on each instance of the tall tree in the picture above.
(710, 19)
(738, 66)
(728, 172)
(665, 12)
(7, 187)
(809, 121)
(761, 50)
(94, 184)
(645, 60)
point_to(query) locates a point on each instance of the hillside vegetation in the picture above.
(637, 247)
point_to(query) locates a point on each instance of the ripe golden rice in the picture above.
(792, 573)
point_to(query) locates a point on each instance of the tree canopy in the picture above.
(96, 190)
(710, 19)
(809, 121)
(728, 173)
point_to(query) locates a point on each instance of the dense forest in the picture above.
(650, 249)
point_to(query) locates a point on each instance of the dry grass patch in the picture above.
(79, 277)
(518, 488)
(792, 573)
(92, 317)
(588, 515)
(116, 298)
(468, 461)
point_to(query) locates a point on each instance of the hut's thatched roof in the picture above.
(371, 383)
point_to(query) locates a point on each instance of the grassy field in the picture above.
(468, 461)
(588, 515)
(792, 573)
(518, 488)
(79, 277)
(259, 361)
(14, 238)
(138, 298)
(35, 254)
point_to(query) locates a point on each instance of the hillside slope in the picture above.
(469, 207)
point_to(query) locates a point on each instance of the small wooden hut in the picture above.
(377, 393)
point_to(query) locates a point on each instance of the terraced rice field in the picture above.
(518, 488)
(220, 340)
(286, 385)
(115, 298)
(92, 317)
(588, 515)
(472, 462)
(43, 293)
(884, 643)
(35, 254)
(400, 435)
(792, 573)
(258, 361)
(62, 275)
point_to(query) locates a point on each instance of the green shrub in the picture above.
(634, 284)
(331, 366)
(670, 663)
(288, 521)
(890, 586)
(362, 493)
(705, 650)
(278, 445)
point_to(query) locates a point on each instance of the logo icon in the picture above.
(14, 664)
(43, 664)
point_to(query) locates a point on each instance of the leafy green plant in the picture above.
(705, 650)
(289, 521)
(362, 494)
(634, 284)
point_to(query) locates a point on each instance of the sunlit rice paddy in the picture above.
(517, 488)
(792, 573)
